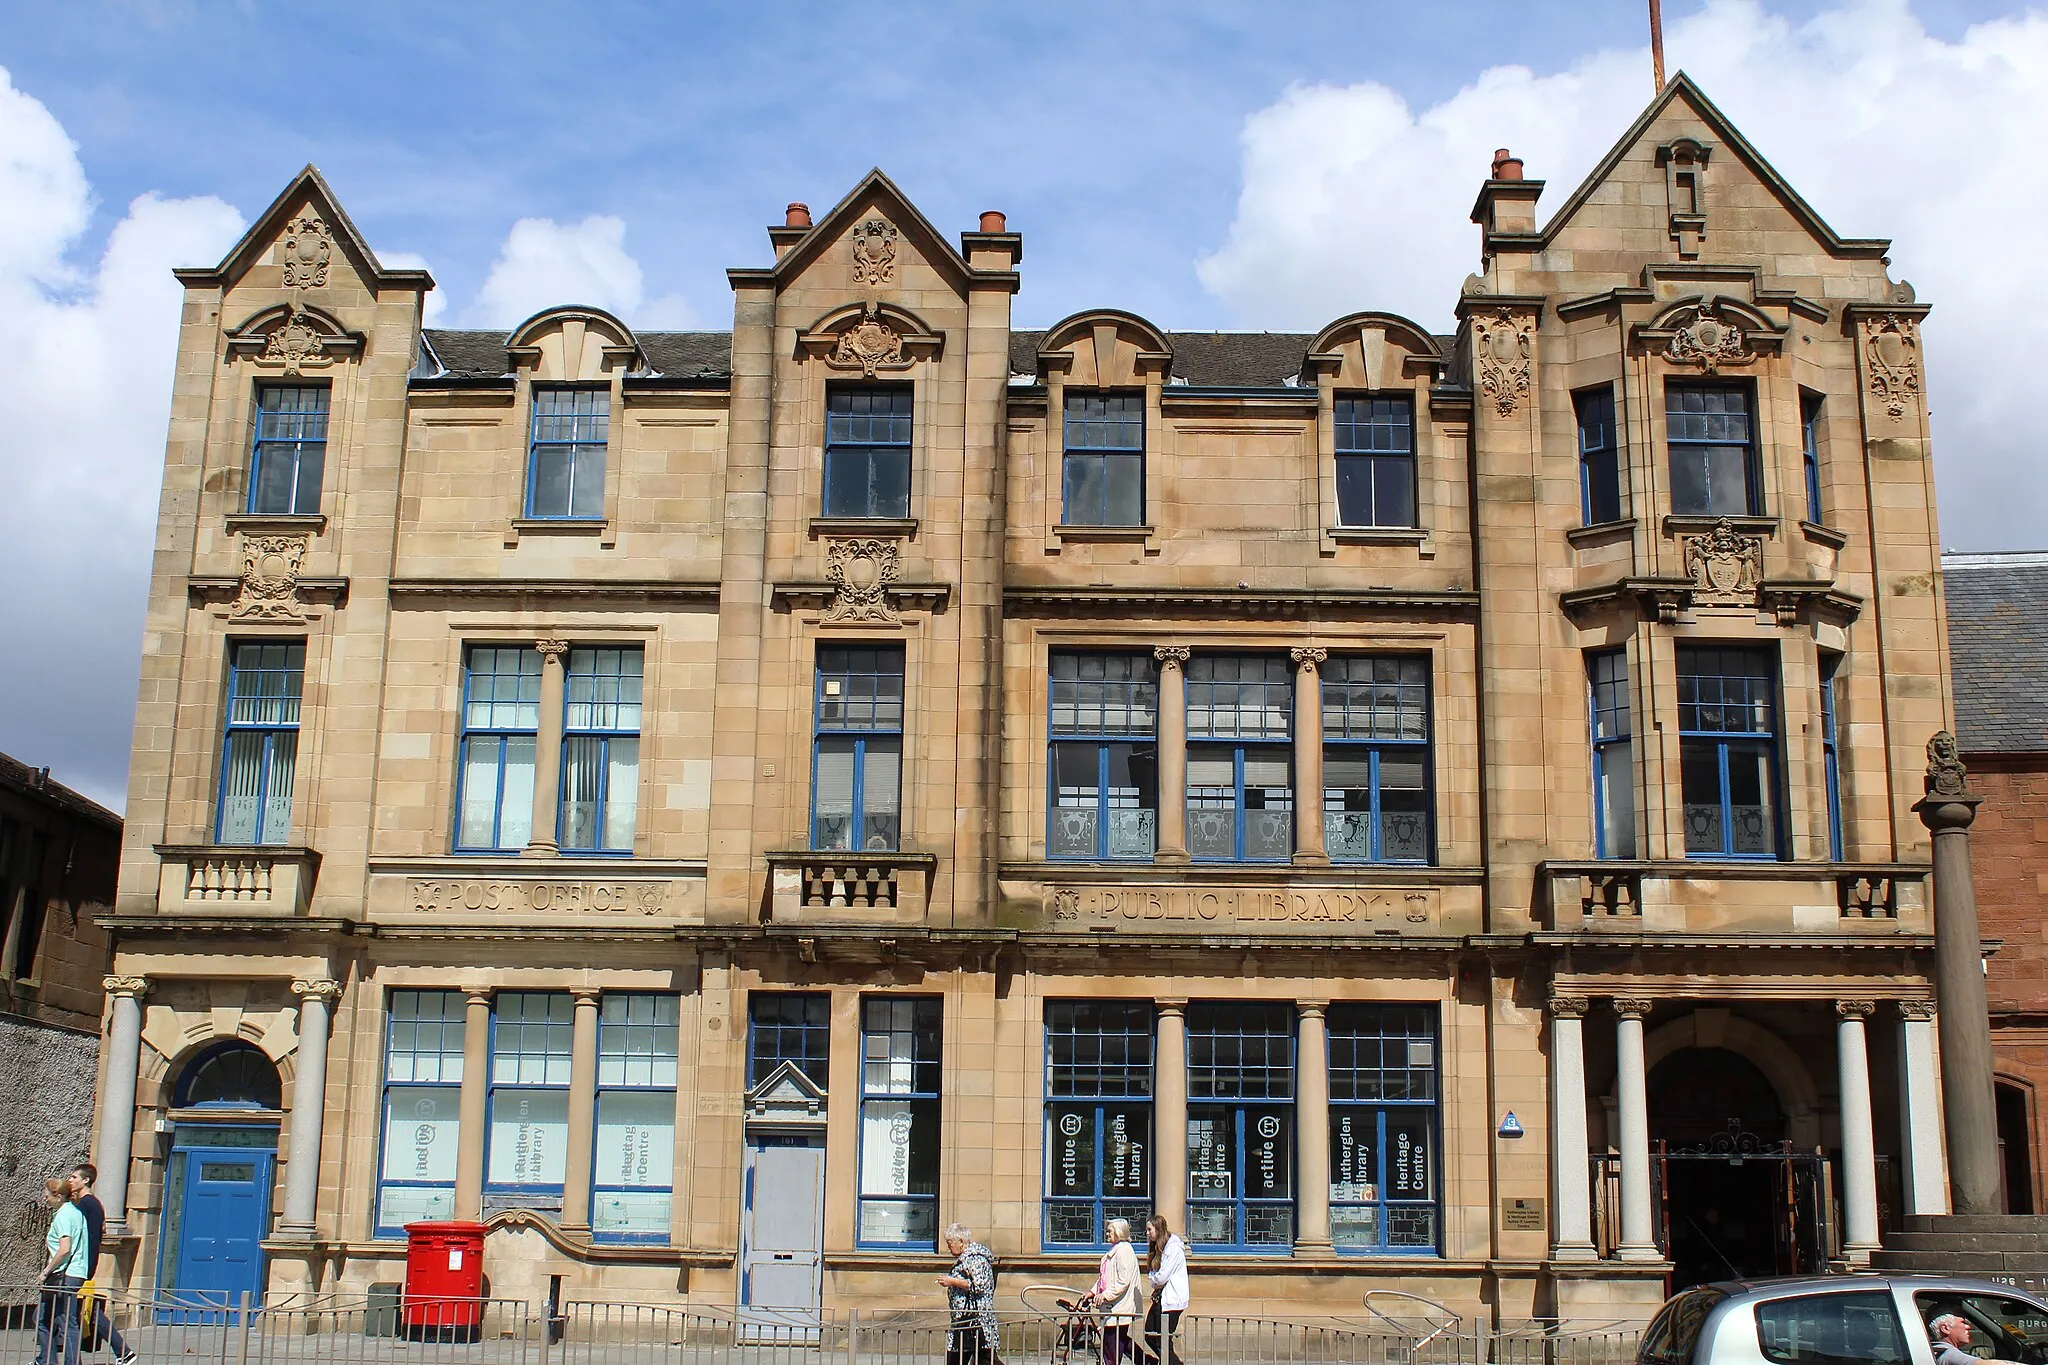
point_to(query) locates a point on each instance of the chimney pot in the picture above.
(1506, 165)
(797, 215)
(992, 220)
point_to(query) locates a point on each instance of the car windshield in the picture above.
(2001, 1328)
(1673, 1333)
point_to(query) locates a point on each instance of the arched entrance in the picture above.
(225, 1110)
(1714, 1116)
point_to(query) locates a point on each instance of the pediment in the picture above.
(876, 196)
(294, 338)
(786, 1095)
(306, 200)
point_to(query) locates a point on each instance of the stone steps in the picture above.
(1976, 1244)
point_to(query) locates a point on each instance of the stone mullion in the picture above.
(1173, 753)
(1312, 1130)
(470, 1107)
(1308, 756)
(577, 1153)
(547, 751)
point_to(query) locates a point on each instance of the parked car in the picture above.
(1842, 1320)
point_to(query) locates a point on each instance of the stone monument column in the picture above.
(1971, 1117)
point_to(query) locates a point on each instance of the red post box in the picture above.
(444, 1279)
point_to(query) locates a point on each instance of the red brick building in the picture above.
(1998, 639)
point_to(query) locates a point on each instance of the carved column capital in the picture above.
(479, 995)
(133, 986)
(1308, 658)
(1177, 1008)
(1859, 1010)
(1632, 1008)
(586, 995)
(317, 988)
(551, 650)
(1568, 1006)
(1311, 1008)
(1171, 656)
(1920, 1011)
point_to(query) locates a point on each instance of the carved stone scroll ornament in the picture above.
(1505, 347)
(874, 252)
(1172, 656)
(1709, 341)
(316, 988)
(1568, 1006)
(861, 572)
(137, 986)
(306, 250)
(1725, 566)
(867, 344)
(296, 344)
(1891, 347)
(270, 579)
(1309, 658)
(1946, 775)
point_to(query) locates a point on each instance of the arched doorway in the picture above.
(1728, 1190)
(225, 1110)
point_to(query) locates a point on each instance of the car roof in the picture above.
(1782, 1285)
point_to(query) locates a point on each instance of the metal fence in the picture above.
(390, 1331)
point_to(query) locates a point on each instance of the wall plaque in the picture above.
(1308, 910)
(429, 896)
(1522, 1215)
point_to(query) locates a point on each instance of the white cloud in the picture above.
(1351, 199)
(545, 264)
(85, 369)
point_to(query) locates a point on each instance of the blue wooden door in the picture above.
(225, 1214)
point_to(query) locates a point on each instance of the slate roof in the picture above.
(1998, 650)
(36, 783)
(481, 355)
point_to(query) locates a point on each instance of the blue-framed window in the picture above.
(500, 725)
(1599, 456)
(1376, 759)
(526, 1143)
(867, 450)
(1241, 1126)
(565, 468)
(1831, 753)
(1809, 452)
(288, 453)
(1103, 477)
(1240, 758)
(260, 743)
(1728, 751)
(1098, 1118)
(1713, 451)
(633, 1170)
(857, 764)
(1383, 1128)
(422, 1109)
(789, 1026)
(1104, 765)
(1614, 769)
(899, 1121)
(600, 750)
(1376, 461)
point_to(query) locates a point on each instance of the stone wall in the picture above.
(54, 1069)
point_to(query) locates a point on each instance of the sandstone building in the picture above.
(719, 806)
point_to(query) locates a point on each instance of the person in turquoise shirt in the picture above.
(63, 1272)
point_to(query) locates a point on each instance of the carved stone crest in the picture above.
(861, 572)
(295, 343)
(1946, 775)
(1725, 566)
(1709, 341)
(1065, 903)
(874, 252)
(306, 251)
(1505, 347)
(1891, 345)
(867, 344)
(270, 579)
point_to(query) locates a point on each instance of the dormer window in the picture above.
(867, 450)
(565, 471)
(1104, 475)
(289, 453)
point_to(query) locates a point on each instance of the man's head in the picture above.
(82, 1176)
(1950, 1330)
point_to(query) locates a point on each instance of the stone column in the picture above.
(1312, 1131)
(547, 751)
(582, 1111)
(1638, 1226)
(309, 1109)
(1947, 810)
(1570, 1158)
(1925, 1191)
(1173, 754)
(1170, 1116)
(1859, 1149)
(469, 1145)
(117, 1105)
(1308, 756)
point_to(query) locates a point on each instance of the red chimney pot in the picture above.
(797, 215)
(1506, 165)
(992, 220)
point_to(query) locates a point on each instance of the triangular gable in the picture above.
(1681, 85)
(308, 186)
(904, 214)
(786, 1087)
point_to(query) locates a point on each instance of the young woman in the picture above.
(1115, 1295)
(63, 1271)
(1166, 1267)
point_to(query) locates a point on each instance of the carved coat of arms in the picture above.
(306, 251)
(1505, 348)
(1891, 348)
(874, 252)
(867, 344)
(1709, 341)
(295, 343)
(270, 579)
(861, 572)
(1725, 566)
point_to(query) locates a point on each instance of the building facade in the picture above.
(59, 854)
(718, 807)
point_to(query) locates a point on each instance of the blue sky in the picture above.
(1229, 166)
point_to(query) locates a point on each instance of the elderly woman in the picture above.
(1115, 1295)
(971, 1299)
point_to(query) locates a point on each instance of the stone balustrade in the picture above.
(205, 879)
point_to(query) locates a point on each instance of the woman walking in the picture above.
(1166, 1267)
(971, 1299)
(63, 1271)
(1115, 1295)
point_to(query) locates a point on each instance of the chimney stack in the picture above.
(992, 220)
(1506, 165)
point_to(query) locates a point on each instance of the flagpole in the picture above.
(1657, 40)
